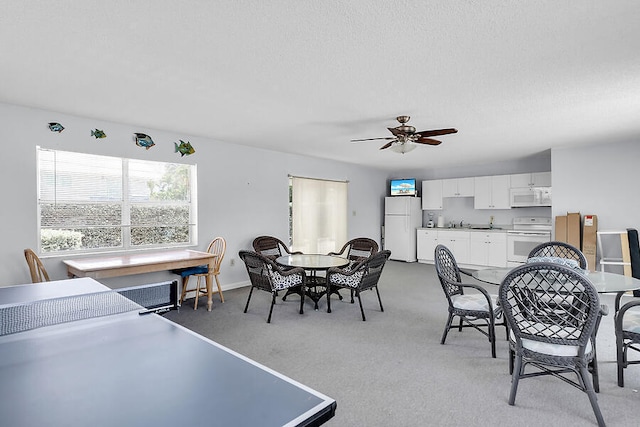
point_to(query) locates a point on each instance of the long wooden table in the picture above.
(138, 263)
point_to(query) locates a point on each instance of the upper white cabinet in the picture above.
(432, 194)
(458, 187)
(536, 179)
(492, 192)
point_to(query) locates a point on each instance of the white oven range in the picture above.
(527, 233)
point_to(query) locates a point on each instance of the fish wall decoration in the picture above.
(144, 140)
(184, 148)
(56, 127)
(98, 134)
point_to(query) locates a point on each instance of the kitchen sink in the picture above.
(484, 227)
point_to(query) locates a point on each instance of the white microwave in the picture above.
(530, 196)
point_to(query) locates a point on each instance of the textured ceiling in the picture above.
(515, 78)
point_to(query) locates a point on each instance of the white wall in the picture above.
(599, 180)
(242, 191)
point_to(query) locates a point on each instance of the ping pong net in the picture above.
(153, 298)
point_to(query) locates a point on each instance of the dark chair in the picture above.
(559, 250)
(266, 275)
(271, 247)
(558, 338)
(627, 318)
(36, 268)
(357, 249)
(471, 303)
(359, 277)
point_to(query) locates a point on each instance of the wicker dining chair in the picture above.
(559, 250)
(357, 249)
(471, 303)
(557, 339)
(271, 247)
(359, 277)
(266, 275)
(36, 268)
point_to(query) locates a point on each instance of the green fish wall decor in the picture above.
(98, 134)
(184, 148)
(144, 140)
(56, 127)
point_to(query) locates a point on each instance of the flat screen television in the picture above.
(403, 187)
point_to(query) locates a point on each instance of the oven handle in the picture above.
(528, 233)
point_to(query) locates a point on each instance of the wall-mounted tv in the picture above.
(403, 187)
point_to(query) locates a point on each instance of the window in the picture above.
(94, 203)
(318, 215)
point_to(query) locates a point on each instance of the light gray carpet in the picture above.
(392, 371)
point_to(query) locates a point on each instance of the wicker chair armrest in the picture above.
(344, 272)
(619, 316)
(480, 289)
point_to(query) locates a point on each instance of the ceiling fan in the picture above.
(405, 137)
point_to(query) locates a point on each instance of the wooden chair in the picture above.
(36, 268)
(217, 247)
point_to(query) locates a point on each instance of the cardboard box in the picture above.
(561, 228)
(589, 237)
(574, 230)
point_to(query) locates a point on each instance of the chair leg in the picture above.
(446, 328)
(515, 378)
(379, 300)
(620, 356)
(185, 280)
(492, 336)
(273, 302)
(219, 289)
(246, 307)
(195, 304)
(301, 300)
(593, 398)
(512, 356)
(360, 301)
(328, 298)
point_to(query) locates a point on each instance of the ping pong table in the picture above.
(123, 370)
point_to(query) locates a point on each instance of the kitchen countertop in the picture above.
(498, 228)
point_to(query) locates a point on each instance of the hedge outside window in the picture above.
(90, 203)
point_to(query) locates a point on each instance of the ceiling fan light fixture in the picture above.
(403, 147)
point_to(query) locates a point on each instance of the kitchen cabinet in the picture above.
(488, 249)
(492, 192)
(457, 242)
(458, 187)
(432, 194)
(536, 179)
(427, 240)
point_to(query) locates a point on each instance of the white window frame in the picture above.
(126, 205)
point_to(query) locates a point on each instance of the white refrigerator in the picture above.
(402, 216)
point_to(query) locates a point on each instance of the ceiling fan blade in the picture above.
(436, 132)
(371, 139)
(387, 145)
(428, 141)
(395, 131)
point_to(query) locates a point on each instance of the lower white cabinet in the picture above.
(457, 242)
(488, 249)
(427, 240)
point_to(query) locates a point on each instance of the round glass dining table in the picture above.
(316, 285)
(603, 281)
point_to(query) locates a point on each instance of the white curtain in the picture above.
(318, 215)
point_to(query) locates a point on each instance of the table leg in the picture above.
(209, 282)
